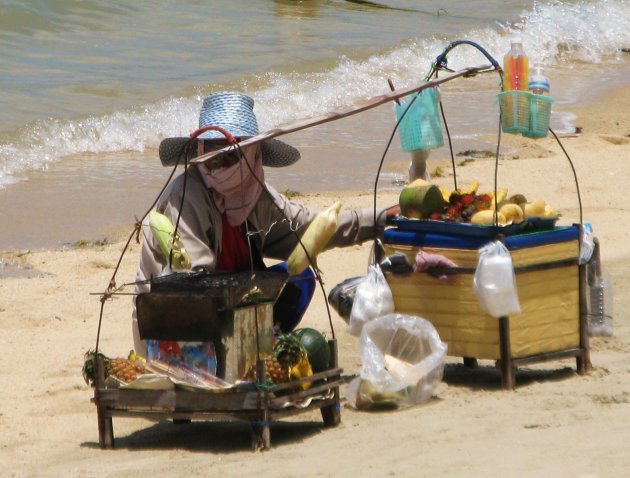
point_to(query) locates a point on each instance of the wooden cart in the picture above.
(551, 285)
(241, 331)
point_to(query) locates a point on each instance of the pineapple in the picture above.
(273, 370)
(124, 369)
(289, 350)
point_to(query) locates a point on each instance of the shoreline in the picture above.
(51, 317)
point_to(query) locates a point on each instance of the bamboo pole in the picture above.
(343, 113)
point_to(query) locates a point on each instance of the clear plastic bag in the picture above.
(402, 360)
(372, 299)
(495, 282)
(341, 297)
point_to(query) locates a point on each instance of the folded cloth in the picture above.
(428, 262)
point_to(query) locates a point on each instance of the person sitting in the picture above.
(229, 218)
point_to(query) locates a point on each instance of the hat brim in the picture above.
(275, 153)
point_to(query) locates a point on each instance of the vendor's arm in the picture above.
(354, 226)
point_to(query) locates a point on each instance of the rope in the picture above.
(577, 185)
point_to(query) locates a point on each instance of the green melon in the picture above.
(316, 347)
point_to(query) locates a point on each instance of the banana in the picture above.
(446, 194)
(301, 369)
(163, 230)
(472, 189)
(501, 195)
(133, 356)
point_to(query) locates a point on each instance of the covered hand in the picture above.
(426, 261)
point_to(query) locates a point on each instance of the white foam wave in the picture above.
(554, 33)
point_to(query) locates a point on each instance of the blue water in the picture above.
(86, 84)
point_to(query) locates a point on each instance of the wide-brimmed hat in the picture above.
(233, 112)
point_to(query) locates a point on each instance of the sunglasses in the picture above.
(226, 159)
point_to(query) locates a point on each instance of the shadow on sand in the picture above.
(487, 376)
(216, 437)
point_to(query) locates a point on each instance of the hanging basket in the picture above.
(420, 127)
(525, 113)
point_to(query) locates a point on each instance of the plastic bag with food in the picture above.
(402, 360)
(494, 281)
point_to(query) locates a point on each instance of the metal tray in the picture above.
(228, 289)
(531, 224)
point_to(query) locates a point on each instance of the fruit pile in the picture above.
(125, 370)
(423, 200)
(295, 355)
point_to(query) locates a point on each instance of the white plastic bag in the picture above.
(495, 282)
(587, 246)
(373, 298)
(402, 360)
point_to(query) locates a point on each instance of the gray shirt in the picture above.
(271, 224)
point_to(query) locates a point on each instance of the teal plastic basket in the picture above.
(420, 127)
(525, 113)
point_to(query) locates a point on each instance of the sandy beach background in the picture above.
(554, 424)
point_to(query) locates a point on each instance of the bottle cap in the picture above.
(538, 80)
(538, 85)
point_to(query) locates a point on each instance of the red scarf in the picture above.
(234, 255)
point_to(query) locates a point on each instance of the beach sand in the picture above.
(554, 424)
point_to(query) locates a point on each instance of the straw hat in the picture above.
(233, 112)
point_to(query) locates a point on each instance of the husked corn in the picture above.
(317, 235)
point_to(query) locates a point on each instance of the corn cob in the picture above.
(317, 235)
(163, 232)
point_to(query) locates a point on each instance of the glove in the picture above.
(426, 261)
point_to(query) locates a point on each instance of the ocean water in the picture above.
(90, 88)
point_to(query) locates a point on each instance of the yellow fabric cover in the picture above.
(549, 299)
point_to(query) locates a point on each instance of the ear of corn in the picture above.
(317, 235)
(164, 233)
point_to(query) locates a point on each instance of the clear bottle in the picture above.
(599, 298)
(538, 82)
(515, 67)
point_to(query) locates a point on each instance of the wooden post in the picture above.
(507, 367)
(105, 425)
(332, 413)
(583, 361)
(261, 431)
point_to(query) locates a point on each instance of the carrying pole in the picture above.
(352, 110)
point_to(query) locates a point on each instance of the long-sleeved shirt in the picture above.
(272, 224)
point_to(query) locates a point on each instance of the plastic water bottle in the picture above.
(600, 320)
(515, 67)
(600, 297)
(538, 83)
